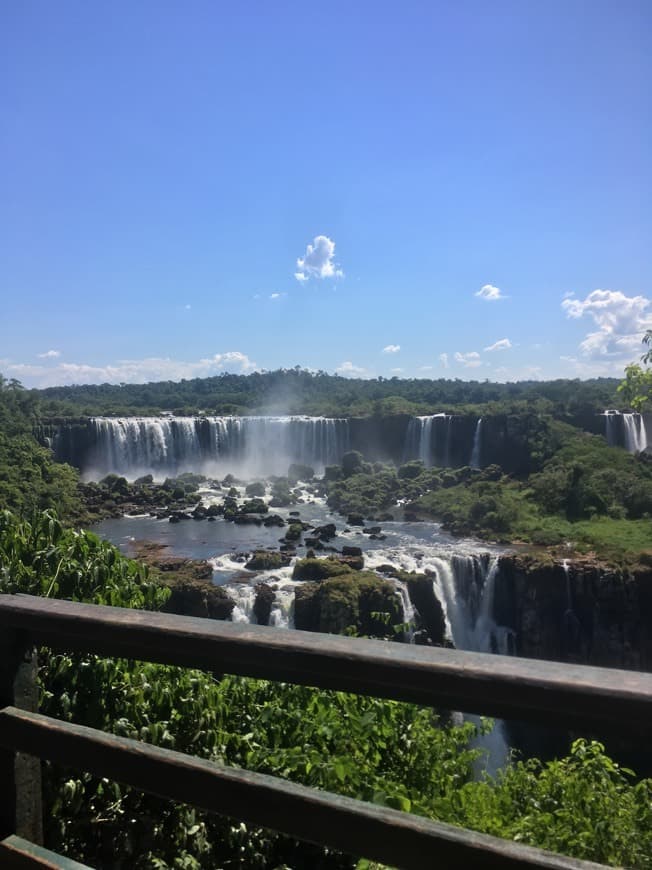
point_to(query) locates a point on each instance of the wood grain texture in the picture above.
(571, 696)
(389, 836)
(19, 854)
(20, 774)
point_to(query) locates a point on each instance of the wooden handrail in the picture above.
(17, 853)
(572, 696)
(353, 826)
(567, 695)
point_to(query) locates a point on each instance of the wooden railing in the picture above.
(569, 696)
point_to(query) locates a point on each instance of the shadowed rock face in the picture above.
(198, 598)
(263, 603)
(590, 614)
(422, 595)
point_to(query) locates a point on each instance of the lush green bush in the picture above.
(29, 479)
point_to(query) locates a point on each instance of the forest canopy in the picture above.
(300, 391)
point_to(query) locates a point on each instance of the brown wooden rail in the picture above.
(567, 695)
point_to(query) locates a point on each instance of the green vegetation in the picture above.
(390, 753)
(636, 388)
(583, 492)
(297, 391)
(587, 493)
(29, 479)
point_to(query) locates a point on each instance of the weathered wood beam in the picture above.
(352, 826)
(19, 854)
(20, 775)
(567, 695)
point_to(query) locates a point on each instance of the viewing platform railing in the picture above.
(564, 695)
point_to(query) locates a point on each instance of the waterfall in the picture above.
(635, 432)
(569, 598)
(474, 462)
(421, 440)
(572, 627)
(408, 607)
(611, 431)
(634, 435)
(166, 446)
(465, 587)
(244, 595)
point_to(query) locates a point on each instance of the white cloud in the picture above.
(490, 293)
(606, 367)
(527, 373)
(233, 358)
(49, 354)
(347, 368)
(397, 371)
(392, 348)
(469, 360)
(621, 322)
(443, 359)
(503, 344)
(318, 261)
(275, 296)
(130, 371)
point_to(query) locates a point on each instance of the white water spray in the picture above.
(474, 462)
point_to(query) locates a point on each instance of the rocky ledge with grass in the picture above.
(192, 592)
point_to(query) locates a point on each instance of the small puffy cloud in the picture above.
(490, 293)
(397, 371)
(469, 360)
(443, 359)
(392, 348)
(349, 370)
(621, 322)
(503, 344)
(318, 261)
(276, 296)
(234, 359)
(49, 354)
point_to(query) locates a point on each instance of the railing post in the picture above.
(20, 775)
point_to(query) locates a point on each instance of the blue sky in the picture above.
(189, 188)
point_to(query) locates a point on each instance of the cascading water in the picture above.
(634, 431)
(572, 627)
(408, 608)
(169, 445)
(421, 440)
(465, 587)
(611, 431)
(474, 462)
(244, 596)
